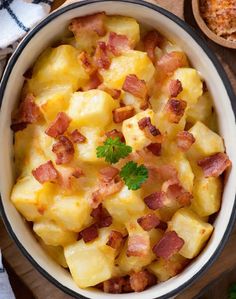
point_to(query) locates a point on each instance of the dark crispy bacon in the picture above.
(89, 24)
(138, 245)
(214, 165)
(114, 133)
(123, 113)
(135, 86)
(27, 113)
(45, 173)
(152, 40)
(90, 233)
(184, 140)
(168, 245)
(87, 62)
(107, 174)
(115, 93)
(115, 239)
(63, 149)
(175, 87)
(148, 221)
(101, 216)
(94, 81)
(155, 200)
(146, 122)
(77, 137)
(175, 191)
(101, 57)
(175, 110)
(139, 281)
(114, 285)
(59, 125)
(155, 148)
(170, 62)
(118, 43)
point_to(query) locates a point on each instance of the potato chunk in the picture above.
(91, 108)
(56, 253)
(207, 195)
(190, 227)
(132, 62)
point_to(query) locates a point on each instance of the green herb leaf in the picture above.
(133, 175)
(113, 150)
(232, 291)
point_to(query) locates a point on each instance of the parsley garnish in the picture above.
(134, 175)
(113, 150)
(232, 292)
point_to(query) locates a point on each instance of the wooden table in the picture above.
(36, 286)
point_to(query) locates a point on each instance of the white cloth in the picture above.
(5, 288)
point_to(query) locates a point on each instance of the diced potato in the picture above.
(90, 263)
(191, 83)
(32, 198)
(71, 212)
(207, 195)
(130, 100)
(132, 62)
(56, 253)
(165, 269)
(53, 234)
(91, 108)
(134, 136)
(206, 142)
(57, 66)
(125, 204)
(190, 227)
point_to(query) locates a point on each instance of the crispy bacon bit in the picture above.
(162, 225)
(118, 43)
(152, 40)
(115, 93)
(59, 125)
(28, 73)
(155, 200)
(155, 148)
(114, 285)
(89, 24)
(174, 191)
(169, 245)
(135, 86)
(77, 137)
(66, 174)
(175, 110)
(63, 149)
(108, 174)
(101, 57)
(149, 221)
(87, 62)
(114, 133)
(122, 113)
(214, 165)
(90, 233)
(77, 172)
(175, 87)
(45, 173)
(185, 140)
(170, 62)
(27, 113)
(141, 280)
(94, 81)
(115, 239)
(146, 122)
(166, 172)
(138, 245)
(101, 216)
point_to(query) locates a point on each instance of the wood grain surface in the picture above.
(223, 271)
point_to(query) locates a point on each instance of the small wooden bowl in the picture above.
(201, 23)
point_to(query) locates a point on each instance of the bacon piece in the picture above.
(66, 174)
(114, 133)
(170, 62)
(77, 137)
(166, 172)
(155, 148)
(94, 81)
(185, 140)
(87, 62)
(141, 280)
(114, 285)
(135, 86)
(138, 245)
(175, 109)
(115, 239)
(149, 221)
(63, 149)
(155, 200)
(89, 24)
(175, 87)
(27, 113)
(28, 73)
(101, 216)
(108, 174)
(214, 165)
(45, 173)
(77, 172)
(59, 125)
(115, 93)
(118, 43)
(146, 122)
(152, 40)
(90, 233)
(168, 245)
(122, 113)
(162, 225)
(101, 57)
(174, 191)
